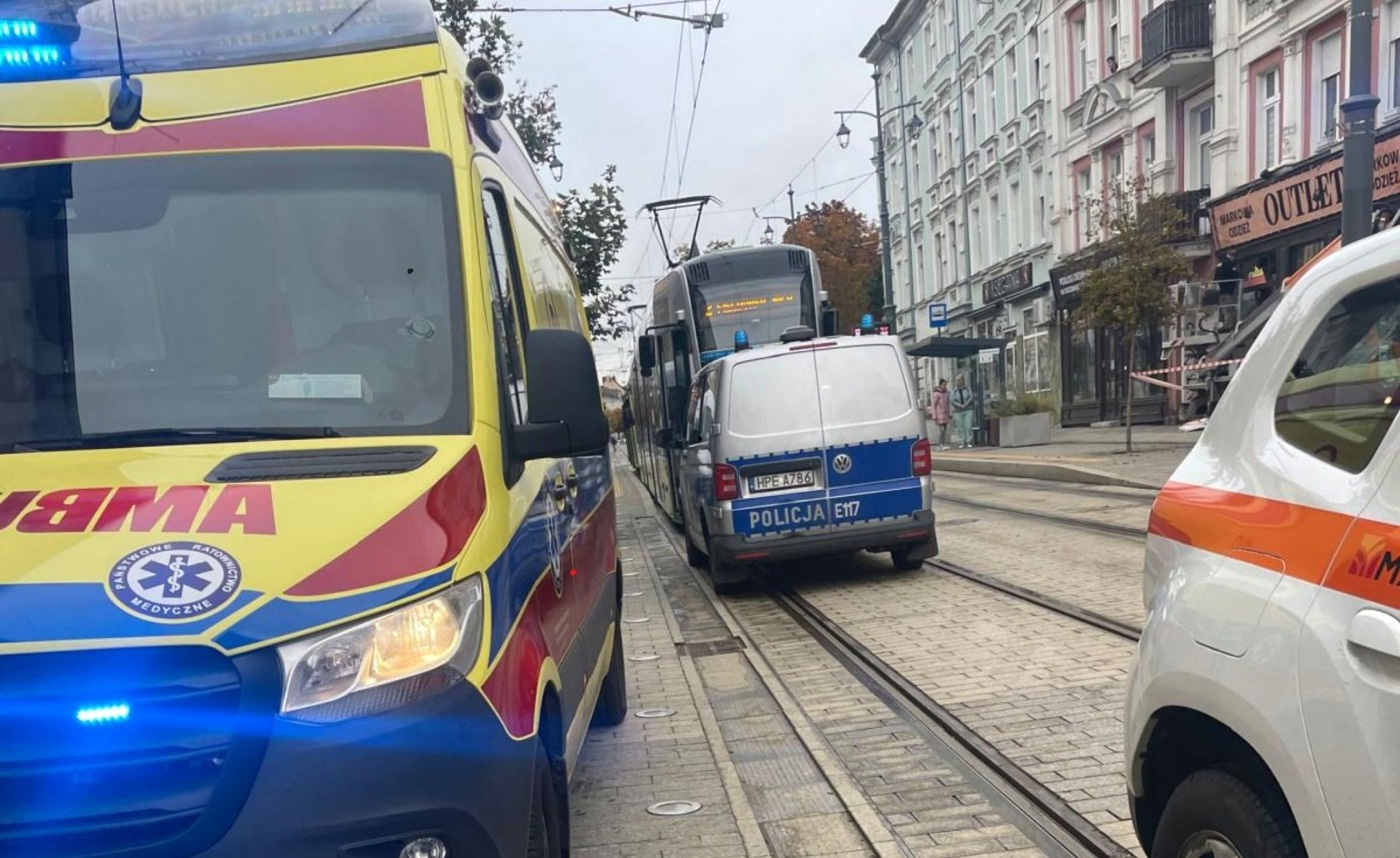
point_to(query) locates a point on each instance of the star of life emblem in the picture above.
(175, 581)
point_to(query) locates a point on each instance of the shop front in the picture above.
(1270, 228)
(1093, 360)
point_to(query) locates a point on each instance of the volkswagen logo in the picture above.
(841, 464)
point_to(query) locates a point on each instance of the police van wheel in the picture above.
(904, 561)
(727, 579)
(546, 838)
(1214, 814)
(693, 555)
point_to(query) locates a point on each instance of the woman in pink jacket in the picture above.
(940, 412)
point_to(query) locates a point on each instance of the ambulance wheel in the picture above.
(903, 561)
(1214, 814)
(612, 699)
(546, 837)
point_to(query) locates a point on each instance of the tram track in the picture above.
(1048, 819)
(1101, 527)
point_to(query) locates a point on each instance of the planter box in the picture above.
(1025, 430)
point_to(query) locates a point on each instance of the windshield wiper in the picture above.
(169, 436)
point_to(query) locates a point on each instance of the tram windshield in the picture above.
(763, 307)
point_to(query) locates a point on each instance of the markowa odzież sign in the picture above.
(1309, 195)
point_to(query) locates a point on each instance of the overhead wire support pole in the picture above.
(1359, 124)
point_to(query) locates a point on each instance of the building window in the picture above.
(1200, 122)
(1268, 119)
(971, 103)
(1390, 30)
(1110, 51)
(1034, 48)
(1036, 357)
(930, 47)
(1084, 192)
(914, 160)
(1079, 44)
(998, 230)
(933, 156)
(1013, 82)
(922, 270)
(1083, 365)
(1326, 87)
(939, 272)
(948, 127)
(1016, 215)
(1038, 188)
(1113, 168)
(989, 92)
(977, 248)
(1146, 148)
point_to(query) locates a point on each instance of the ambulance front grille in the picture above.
(144, 752)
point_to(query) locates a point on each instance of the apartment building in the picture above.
(968, 183)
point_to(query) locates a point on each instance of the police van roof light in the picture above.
(741, 341)
(867, 321)
(16, 30)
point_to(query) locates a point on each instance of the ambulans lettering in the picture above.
(246, 509)
(787, 516)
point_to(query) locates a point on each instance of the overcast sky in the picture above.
(774, 76)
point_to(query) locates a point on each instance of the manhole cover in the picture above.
(644, 658)
(655, 713)
(673, 808)
(635, 620)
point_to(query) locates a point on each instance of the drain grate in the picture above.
(700, 649)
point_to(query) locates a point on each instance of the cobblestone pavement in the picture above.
(792, 755)
(1098, 572)
(1110, 505)
(1045, 690)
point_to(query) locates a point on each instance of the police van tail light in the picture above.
(922, 458)
(726, 483)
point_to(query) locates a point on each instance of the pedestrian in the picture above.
(940, 413)
(961, 399)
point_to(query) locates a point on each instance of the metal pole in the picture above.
(1359, 123)
(908, 191)
(792, 206)
(887, 267)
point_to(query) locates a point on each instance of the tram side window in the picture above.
(506, 304)
(1342, 393)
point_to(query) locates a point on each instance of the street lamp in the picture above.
(843, 137)
(768, 234)
(556, 167)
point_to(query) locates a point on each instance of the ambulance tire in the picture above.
(903, 561)
(612, 699)
(1217, 804)
(546, 837)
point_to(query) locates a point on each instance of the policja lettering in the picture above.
(787, 516)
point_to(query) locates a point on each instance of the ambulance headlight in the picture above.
(389, 661)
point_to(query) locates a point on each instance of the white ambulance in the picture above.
(1260, 712)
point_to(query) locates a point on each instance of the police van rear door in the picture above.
(772, 435)
(871, 423)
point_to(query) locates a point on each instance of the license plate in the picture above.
(778, 482)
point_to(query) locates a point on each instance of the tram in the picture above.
(698, 312)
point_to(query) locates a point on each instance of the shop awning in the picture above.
(953, 347)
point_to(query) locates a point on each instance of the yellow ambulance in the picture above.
(307, 535)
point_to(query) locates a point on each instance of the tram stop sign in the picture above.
(937, 316)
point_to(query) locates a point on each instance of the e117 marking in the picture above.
(845, 510)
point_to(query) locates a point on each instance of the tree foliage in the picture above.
(848, 251)
(595, 227)
(682, 252)
(1128, 290)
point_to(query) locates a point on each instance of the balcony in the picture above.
(1176, 45)
(1193, 240)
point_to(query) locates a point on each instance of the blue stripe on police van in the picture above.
(36, 613)
(872, 462)
(282, 617)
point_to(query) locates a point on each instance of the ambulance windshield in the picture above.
(268, 291)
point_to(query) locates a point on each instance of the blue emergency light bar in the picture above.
(741, 341)
(53, 39)
(867, 322)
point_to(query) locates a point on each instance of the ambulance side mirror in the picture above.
(566, 407)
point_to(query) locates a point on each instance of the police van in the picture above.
(307, 541)
(1262, 710)
(810, 446)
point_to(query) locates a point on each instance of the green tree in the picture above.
(848, 252)
(595, 227)
(1128, 291)
(682, 252)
